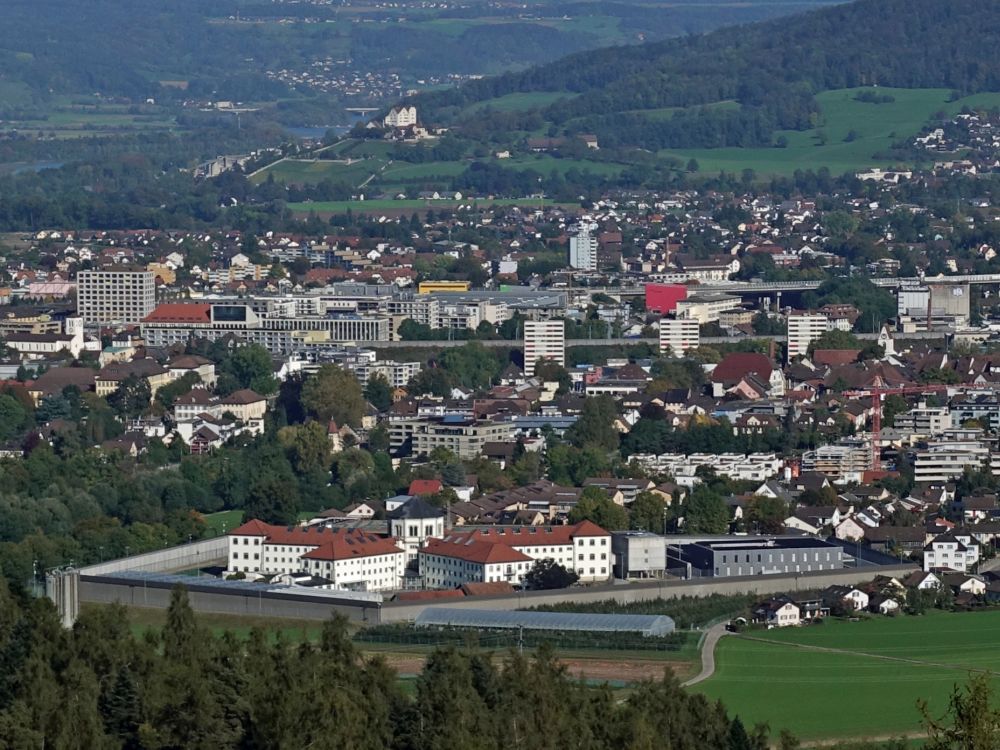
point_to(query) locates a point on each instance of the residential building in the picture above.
(543, 339)
(706, 307)
(948, 457)
(461, 434)
(678, 335)
(115, 296)
(952, 551)
(847, 597)
(755, 557)
(846, 461)
(583, 248)
(780, 612)
(803, 329)
(509, 553)
(924, 421)
(348, 558)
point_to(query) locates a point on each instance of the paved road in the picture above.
(708, 654)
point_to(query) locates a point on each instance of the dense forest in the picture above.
(99, 687)
(771, 69)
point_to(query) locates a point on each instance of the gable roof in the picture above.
(424, 487)
(734, 367)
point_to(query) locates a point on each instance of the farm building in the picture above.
(489, 619)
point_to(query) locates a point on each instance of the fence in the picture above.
(183, 557)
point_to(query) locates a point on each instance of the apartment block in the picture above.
(583, 251)
(679, 335)
(803, 329)
(543, 339)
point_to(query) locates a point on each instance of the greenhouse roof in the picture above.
(491, 619)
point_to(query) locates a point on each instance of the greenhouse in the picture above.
(491, 619)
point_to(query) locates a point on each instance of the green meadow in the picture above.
(847, 136)
(866, 685)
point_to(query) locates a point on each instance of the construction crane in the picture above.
(877, 394)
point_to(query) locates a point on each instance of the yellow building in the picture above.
(165, 272)
(429, 287)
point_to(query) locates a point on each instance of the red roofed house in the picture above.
(348, 558)
(509, 553)
(755, 369)
(835, 357)
(424, 487)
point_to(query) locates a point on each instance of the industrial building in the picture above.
(639, 554)
(724, 558)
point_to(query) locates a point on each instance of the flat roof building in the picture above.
(115, 296)
(755, 556)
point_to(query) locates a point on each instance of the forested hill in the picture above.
(772, 69)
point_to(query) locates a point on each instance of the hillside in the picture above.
(772, 71)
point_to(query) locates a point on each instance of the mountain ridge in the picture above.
(772, 69)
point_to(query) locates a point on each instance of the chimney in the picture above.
(770, 350)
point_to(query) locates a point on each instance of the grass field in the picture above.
(339, 207)
(301, 171)
(865, 688)
(875, 126)
(224, 520)
(518, 102)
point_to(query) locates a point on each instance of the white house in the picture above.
(922, 580)
(849, 529)
(853, 597)
(348, 558)
(778, 613)
(951, 551)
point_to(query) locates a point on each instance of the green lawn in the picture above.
(518, 102)
(545, 164)
(224, 520)
(290, 171)
(876, 126)
(339, 207)
(826, 695)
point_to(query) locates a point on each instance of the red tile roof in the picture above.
(734, 367)
(327, 544)
(180, 312)
(420, 596)
(424, 487)
(472, 550)
(835, 357)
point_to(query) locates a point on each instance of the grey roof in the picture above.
(417, 507)
(648, 625)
